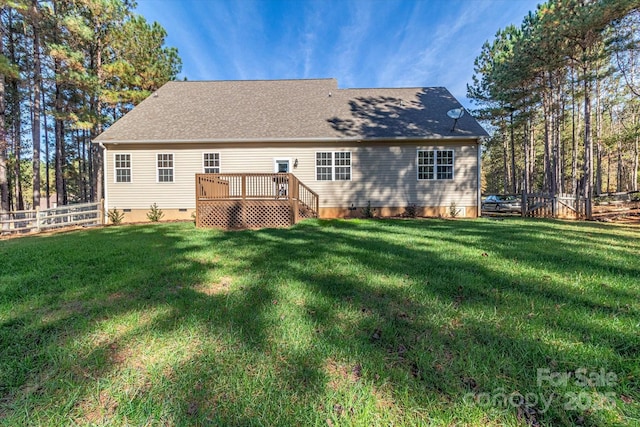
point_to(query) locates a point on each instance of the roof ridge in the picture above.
(252, 80)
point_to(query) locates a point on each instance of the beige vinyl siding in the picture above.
(383, 173)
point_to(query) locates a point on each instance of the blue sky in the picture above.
(361, 43)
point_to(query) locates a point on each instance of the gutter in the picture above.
(479, 197)
(263, 140)
(104, 178)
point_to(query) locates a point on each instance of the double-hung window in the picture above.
(435, 164)
(122, 164)
(333, 166)
(165, 167)
(211, 162)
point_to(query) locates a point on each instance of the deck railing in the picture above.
(240, 200)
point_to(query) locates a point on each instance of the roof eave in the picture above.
(284, 140)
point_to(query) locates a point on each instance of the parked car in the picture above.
(496, 203)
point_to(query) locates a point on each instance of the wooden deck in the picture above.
(253, 200)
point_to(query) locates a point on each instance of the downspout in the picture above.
(104, 178)
(479, 178)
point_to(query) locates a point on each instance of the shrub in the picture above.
(368, 211)
(411, 210)
(115, 216)
(155, 214)
(453, 210)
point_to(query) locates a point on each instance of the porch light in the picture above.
(295, 163)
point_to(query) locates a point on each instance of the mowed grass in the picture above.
(360, 322)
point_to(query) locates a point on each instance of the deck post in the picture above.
(244, 187)
(293, 198)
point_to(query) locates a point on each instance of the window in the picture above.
(342, 166)
(435, 164)
(333, 166)
(324, 166)
(122, 163)
(425, 164)
(211, 162)
(165, 167)
(444, 164)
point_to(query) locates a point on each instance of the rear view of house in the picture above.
(391, 147)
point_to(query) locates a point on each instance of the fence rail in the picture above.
(46, 219)
(553, 206)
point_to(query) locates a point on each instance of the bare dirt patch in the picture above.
(220, 287)
(96, 410)
(341, 374)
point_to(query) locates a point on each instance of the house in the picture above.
(390, 147)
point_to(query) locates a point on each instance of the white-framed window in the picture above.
(444, 164)
(165, 167)
(435, 164)
(122, 167)
(333, 166)
(211, 162)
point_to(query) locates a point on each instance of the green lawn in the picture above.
(361, 322)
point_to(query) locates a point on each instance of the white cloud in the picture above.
(361, 43)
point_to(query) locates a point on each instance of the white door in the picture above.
(281, 165)
(282, 186)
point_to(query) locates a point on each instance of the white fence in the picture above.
(45, 219)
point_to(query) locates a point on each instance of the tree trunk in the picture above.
(59, 155)
(17, 150)
(35, 124)
(588, 149)
(16, 122)
(557, 140)
(634, 167)
(46, 155)
(526, 174)
(532, 155)
(513, 156)
(598, 145)
(505, 163)
(4, 175)
(574, 139)
(598, 184)
(546, 186)
(98, 167)
(620, 170)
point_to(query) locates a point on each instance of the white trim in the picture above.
(333, 165)
(479, 160)
(173, 167)
(105, 208)
(219, 160)
(280, 159)
(435, 164)
(115, 173)
(418, 165)
(252, 140)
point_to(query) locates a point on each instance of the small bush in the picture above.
(368, 211)
(453, 210)
(115, 216)
(411, 211)
(155, 214)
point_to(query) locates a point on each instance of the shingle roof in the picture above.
(263, 110)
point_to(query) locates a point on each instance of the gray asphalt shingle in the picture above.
(260, 110)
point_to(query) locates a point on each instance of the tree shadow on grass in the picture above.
(330, 317)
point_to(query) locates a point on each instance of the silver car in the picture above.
(496, 203)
